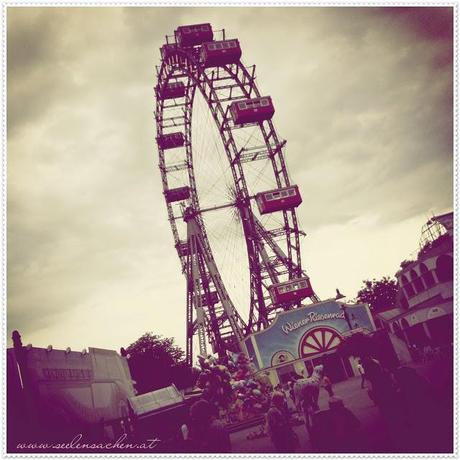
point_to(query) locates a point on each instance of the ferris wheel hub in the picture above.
(189, 213)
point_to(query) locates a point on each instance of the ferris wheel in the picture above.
(230, 202)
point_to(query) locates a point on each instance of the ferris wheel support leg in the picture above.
(189, 326)
(280, 253)
(271, 271)
(199, 249)
(253, 246)
(272, 243)
(201, 331)
(195, 291)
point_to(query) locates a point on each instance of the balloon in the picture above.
(239, 375)
(231, 367)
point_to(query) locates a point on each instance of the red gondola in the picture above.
(177, 194)
(220, 53)
(194, 34)
(278, 199)
(173, 90)
(290, 291)
(168, 50)
(252, 110)
(171, 141)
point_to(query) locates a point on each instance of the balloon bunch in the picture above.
(233, 388)
(214, 380)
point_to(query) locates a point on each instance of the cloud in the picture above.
(428, 23)
(362, 95)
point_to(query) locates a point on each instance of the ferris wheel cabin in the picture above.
(290, 291)
(193, 35)
(252, 110)
(172, 90)
(220, 53)
(177, 194)
(171, 141)
(278, 199)
(168, 50)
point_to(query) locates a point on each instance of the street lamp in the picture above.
(347, 318)
(339, 295)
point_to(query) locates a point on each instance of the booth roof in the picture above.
(155, 400)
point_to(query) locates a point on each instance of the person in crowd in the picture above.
(335, 429)
(384, 393)
(415, 353)
(290, 391)
(427, 353)
(422, 409)
(362, 374)
(327, 385)
(279, 427)
(206, 434)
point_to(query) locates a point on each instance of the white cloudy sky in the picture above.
(363, 96)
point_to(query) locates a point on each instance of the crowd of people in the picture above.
(426, 353)
(232, 393)
(414, 413)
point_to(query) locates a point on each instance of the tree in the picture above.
(357, 344)
(379, 294)
(375, 345)
(156, 362)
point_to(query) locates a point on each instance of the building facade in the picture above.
(56, 393)
(424, 312)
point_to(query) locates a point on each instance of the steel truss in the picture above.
(213, 317)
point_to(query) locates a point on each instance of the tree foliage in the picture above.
(379, 294)
(357, 344)
(156, 362)
(375, 345)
